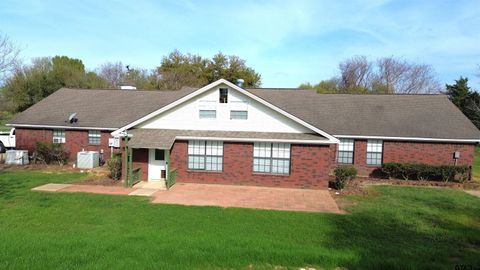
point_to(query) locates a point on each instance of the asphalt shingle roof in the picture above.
(164, 138)
(97, 108)
(425, 116)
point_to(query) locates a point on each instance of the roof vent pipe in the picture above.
(128, 87)
(240, 82)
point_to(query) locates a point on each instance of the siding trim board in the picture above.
(408, 138)
(58, 127)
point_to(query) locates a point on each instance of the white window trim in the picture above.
(374, 152)
(271, 158)
(204, 155)
(352, 151)
(58, 139)
(240, 119)
(206, 118)
(95, 136)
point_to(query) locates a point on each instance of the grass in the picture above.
(5, 117)
(476, 164)
(390, 228)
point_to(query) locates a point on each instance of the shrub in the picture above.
(343, 174)
(115, 166)
(52, 153)
(415, 171)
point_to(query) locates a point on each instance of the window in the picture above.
(223, 95)
(205, 155)
(271, 157)
(345, 151)
(58, 136)
(374, 152)
(208, 114)
(94, 136)
(159, 154)
(239, 115)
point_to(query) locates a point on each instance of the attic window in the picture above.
(223, 95)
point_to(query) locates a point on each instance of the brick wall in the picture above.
(140, 160)
(412, 152)
(75, 141)
(310, 166)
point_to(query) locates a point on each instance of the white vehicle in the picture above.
(7, 140)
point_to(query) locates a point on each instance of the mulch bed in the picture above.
(102, 181)
(357, 186)
(97, 176)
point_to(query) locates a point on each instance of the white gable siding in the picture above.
(260, 117)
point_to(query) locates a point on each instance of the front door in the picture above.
(156, 165)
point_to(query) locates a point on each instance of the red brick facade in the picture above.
(310, 166)
(75, 141)
(140, 160)
(413, 152)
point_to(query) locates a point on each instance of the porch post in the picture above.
(126, 161)
(167, 163)
(130, 167)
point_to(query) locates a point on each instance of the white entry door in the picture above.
(156, 165)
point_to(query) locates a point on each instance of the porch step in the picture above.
(158, 185)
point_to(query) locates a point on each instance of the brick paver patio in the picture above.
(249, 197)
(286, 199)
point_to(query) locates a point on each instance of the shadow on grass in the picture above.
(434, 231)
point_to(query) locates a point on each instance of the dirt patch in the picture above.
(96, 176)
(99, 180)
(39, 167)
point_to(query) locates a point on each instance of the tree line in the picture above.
(386, 75)
(22, 85)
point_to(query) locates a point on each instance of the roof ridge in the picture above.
(124, 90)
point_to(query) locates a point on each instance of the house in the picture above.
(225, 134)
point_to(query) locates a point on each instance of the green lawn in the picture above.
(476, 164)
(391, 228)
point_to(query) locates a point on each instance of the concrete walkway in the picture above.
(218, 195)
(473, 192)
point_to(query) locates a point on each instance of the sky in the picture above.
(287, 42)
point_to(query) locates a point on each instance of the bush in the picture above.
(52, 153)
(415, 171)
(343, 174)
(115, 166)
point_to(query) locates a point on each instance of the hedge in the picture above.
(417, 171)
(115, 166)
(52, 153)
(344, 174)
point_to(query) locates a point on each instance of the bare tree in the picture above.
(113, 72)
(355, 74)
(9, 56)
(399, 76)
(385, 75)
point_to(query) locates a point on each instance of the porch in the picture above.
(283, 199)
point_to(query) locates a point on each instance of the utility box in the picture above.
(114, 142)
(16, 157)
(88, 159)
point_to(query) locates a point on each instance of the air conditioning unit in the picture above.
(16, 157)
(87, 159)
